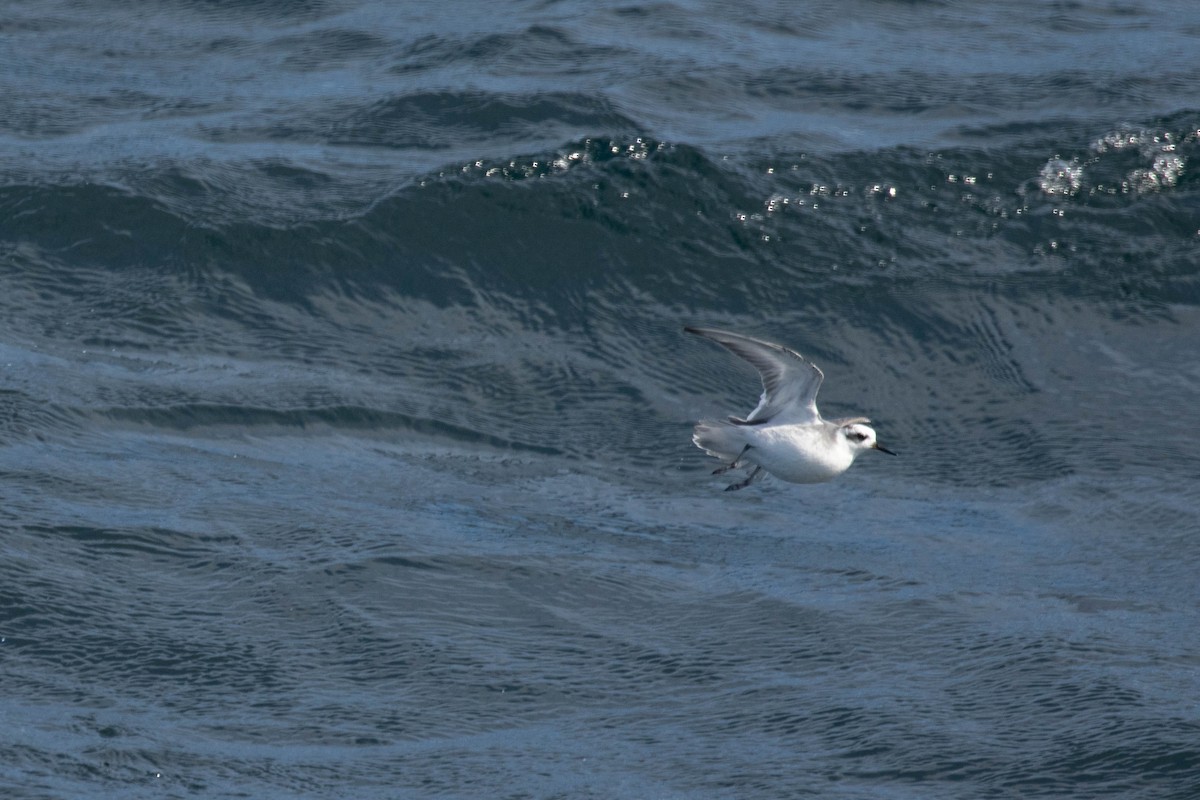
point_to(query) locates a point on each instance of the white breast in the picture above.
(800, 453)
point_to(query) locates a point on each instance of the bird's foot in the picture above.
(733, 487)
(732, 464)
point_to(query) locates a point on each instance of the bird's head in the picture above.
(861, 437)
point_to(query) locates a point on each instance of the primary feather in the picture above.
(790, 381)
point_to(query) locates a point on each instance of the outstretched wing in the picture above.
(790, 381)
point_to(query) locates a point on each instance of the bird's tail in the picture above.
(719, 438)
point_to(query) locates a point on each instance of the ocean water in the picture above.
(345, 407)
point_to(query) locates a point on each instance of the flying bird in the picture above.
(784, 435)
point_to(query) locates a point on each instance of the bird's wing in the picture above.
(790, 381)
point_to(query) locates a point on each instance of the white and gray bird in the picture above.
(784, 434)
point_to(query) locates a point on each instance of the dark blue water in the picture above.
(345, 408)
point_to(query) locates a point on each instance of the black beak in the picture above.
(884, 449)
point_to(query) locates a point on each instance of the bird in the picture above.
(784, 435)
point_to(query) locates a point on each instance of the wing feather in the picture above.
(790, 381)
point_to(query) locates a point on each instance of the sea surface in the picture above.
(345, 407)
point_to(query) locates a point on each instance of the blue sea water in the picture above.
(345, 407)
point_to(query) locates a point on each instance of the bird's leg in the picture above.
(731, 464)
(733, 487)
